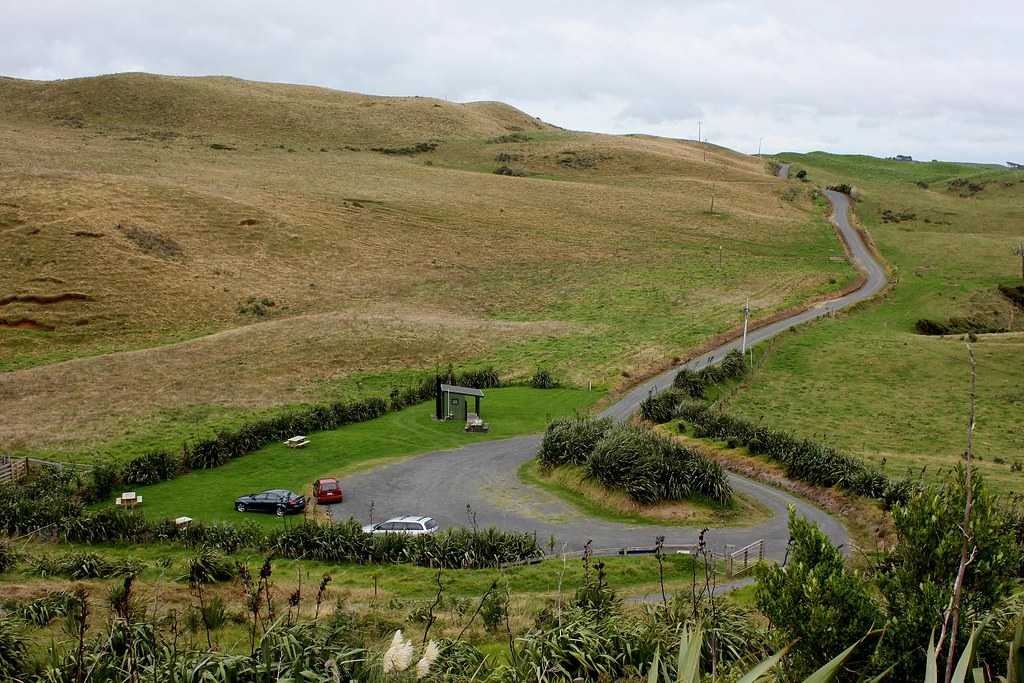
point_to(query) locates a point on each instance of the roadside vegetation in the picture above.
(867, 382)
(172, 611)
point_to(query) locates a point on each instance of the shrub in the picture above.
(42, 611)
(8, 557)
(570, 440)
(102, 480)
(815, 600)
(493, 610)
(13, 650)
(511, 137)
(956, 325)
(690, 382)
(694, 384)
(108, 525)
(151, 468)
(844, 188)
(1014, 293)
(661, 407)
(650, 467)
(409, 150)
(509, 171)
(44, 500)
(210, 566)
(223, 536)
(484, 378)
(542, 379)
(801, 174)
(210, 616)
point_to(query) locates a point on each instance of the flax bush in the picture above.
(570, 440)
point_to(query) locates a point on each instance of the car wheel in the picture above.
(240, 507)
(280, 511)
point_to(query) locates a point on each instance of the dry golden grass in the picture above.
(606, 257)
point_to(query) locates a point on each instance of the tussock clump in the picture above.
(651, 468)
(543, 379)
(571, 440)
(210, 566)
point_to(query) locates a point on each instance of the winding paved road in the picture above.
(484, 476)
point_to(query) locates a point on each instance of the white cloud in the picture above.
(934, 79)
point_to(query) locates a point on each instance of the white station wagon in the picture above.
(403, 525)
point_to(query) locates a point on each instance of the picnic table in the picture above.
(297, 442)
(128, 499)
(475, 424)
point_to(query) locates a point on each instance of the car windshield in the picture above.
(430, 523)
(328, 486)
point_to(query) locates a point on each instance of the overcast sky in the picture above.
(933, 79)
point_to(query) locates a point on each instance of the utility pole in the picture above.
(1019, 251)
(700, 135)
(746, 319)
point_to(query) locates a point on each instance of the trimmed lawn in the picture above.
(209, 495)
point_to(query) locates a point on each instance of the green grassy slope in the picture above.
(866, 381)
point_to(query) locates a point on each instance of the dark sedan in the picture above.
(279, 501)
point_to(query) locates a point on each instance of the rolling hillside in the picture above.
(179, 253)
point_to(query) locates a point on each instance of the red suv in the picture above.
(327, 491)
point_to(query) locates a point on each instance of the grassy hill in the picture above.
(867, 381)
(181, 253)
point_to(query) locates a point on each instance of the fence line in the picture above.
(15, 469)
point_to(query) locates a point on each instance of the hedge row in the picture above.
(689, 384)
(345, 542)
(455, 548)
(208, 453)
(802, 459)
(647, 466)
